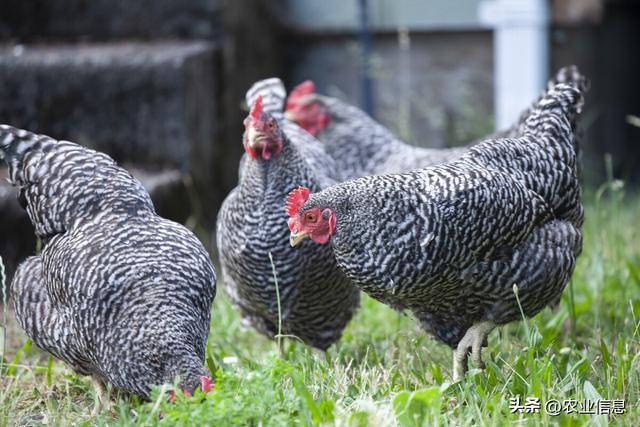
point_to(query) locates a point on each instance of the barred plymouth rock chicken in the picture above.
(361, 146)
(118, 293)
(317, 300)
(449, 242)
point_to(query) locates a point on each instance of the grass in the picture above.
(385, 371)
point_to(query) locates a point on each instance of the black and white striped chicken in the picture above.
(118, 293)
(449, 242)
(317, 300)
(361, 146)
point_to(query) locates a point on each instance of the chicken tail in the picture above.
(61, 182)
(14, 145)
(551, 127)
(273, 96)
(556, 113)
(571, 76)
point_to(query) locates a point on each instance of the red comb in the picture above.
(303, 89)
(296, 199)
(256, 109)
(206, 384)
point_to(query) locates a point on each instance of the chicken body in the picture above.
(449, 242)
(317, 300)
(118, 292)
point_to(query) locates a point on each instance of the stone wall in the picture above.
(29, 20)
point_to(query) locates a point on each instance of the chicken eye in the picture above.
(311, 217)
(271, 125)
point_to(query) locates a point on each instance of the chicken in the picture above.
(316, 299)
(117, 293)
(361, 146)
(449, 242)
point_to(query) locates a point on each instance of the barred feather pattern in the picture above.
(317, 299)
(448, 242)
(118, 292)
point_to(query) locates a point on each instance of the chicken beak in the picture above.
(295, 238)
(290, 115)
(254, 137)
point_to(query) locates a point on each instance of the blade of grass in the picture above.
(11, 369)
(524, 318)
(4, 315)
(275, 279)
(50, 371)
(572, 308)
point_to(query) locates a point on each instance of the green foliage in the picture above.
(418, 408)
(3, 289)
(385, 371)
(240, 398)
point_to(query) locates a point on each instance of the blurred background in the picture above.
(159, 84)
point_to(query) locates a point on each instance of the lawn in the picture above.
(385, 371)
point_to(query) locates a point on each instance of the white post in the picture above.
(520, 54)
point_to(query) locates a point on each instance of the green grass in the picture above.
(385, 371)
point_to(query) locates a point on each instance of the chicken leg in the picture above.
(103, 401)
(474, 338)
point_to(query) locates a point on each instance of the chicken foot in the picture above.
(473, 339)
(103, 401)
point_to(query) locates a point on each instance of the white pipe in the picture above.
(520, 54)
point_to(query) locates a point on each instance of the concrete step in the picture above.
(109, 19)
(151, 104)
